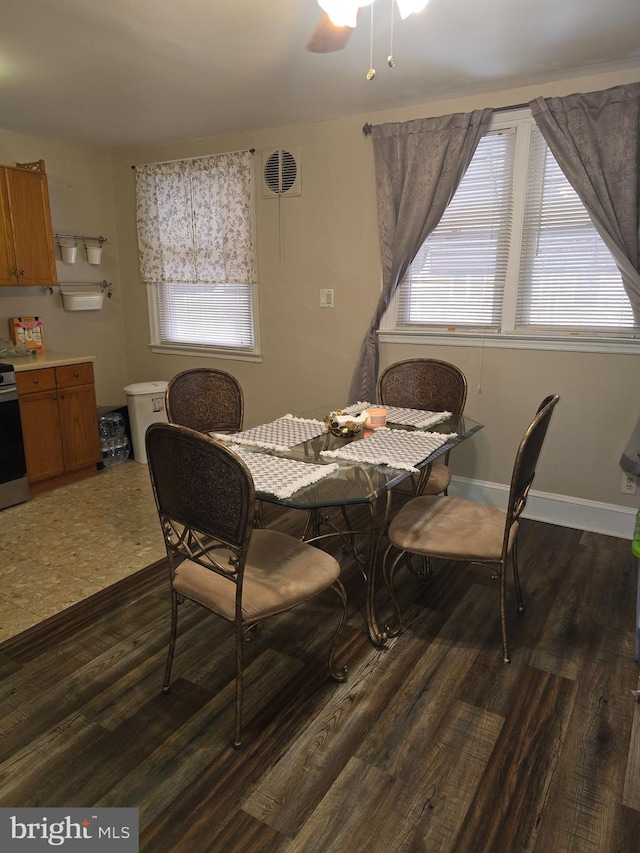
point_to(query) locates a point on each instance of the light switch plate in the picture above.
(327, 298)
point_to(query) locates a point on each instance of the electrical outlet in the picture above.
(629, 485)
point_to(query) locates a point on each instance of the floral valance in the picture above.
(195, 220)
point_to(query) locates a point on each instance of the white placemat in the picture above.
(281, 477)
(418, 418)
(414, 417)
(280, 435)
(396, 448)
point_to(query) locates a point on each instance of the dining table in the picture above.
(298, 462)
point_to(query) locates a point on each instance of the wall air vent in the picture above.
(281, 172)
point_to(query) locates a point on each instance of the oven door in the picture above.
(13, 469)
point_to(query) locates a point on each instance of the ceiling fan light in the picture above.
(408, 7)
(343, 13)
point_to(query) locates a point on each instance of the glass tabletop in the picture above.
(357, 482)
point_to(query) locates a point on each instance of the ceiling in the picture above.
(121, 72)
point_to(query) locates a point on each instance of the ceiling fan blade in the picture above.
(327, 37)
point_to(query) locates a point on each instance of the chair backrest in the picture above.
(206, 400)
(524, 469)
(204, 495)
(424, 383)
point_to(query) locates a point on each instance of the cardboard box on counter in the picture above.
(27, 331)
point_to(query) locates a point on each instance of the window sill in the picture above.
(577, 343)
(206, 352)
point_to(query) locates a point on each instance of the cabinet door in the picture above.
(31, 223)
(41, 435)
(79, 427)
(8, 269)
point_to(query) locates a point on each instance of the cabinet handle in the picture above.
(36, 381)
(55, 396)
(21, 272)
(62, 396)
(76, 375)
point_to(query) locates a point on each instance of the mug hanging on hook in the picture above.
(68, 253)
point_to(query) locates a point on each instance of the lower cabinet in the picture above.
(59, 424)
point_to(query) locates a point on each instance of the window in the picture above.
(515, 255)
(196, 241)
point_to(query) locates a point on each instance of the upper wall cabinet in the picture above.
(27, 254)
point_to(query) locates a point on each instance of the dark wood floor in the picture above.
(431, 745)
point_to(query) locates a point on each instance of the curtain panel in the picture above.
(418, 167)
(595, 138)
(195, 220)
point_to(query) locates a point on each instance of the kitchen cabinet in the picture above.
(27, 253)
(59, 424)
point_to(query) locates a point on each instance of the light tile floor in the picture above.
(68, 543)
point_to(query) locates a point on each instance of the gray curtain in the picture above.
(418, 165)
(596, 140)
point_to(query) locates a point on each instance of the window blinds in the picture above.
(567, 275)
(457, 278)
(217, 315)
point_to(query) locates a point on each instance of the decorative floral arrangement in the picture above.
(345, 425)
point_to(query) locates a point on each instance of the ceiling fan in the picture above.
(340, 18)
(328, 37)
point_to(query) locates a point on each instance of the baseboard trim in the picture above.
(609, 519)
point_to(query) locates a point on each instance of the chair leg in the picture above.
(425, 572)
(516, 577)
(338, 674)
(166, 686)
(389, 570)
(503, 613)
(237, 740)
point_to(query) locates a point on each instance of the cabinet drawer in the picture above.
(30, 381)
(74, 374)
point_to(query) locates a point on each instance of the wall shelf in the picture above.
(83, 295)
(80, 237)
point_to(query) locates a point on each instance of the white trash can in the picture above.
(145, 401)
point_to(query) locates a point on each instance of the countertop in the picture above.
(47, 358)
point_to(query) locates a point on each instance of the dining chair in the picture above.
(462, 530)
(433, 386)
(205, 499)
(205, 399)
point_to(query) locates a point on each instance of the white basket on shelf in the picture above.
(74, 299)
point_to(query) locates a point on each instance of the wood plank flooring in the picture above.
(432, 744)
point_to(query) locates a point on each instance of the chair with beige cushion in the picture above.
(205, 399)
(466, 531)
(430, 385)
(206, 502)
